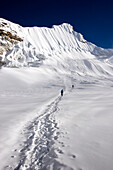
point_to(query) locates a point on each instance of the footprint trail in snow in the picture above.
(38, 150)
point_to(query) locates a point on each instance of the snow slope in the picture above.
(40, 129)
(44, 43)
(85, 121)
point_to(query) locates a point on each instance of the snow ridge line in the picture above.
(38, 149)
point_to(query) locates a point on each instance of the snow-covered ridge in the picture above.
(54, 47)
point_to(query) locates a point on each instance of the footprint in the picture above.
(60, 151)
(73, 156)
(12, 156)
(55, 137)
(62, 144)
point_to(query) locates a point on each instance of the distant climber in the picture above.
(62, 92)
(72, 86)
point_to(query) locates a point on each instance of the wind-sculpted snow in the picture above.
(55, 46)
(23, 54)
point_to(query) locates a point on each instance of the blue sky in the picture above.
(94, 19)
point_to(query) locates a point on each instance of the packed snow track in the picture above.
(38, 150)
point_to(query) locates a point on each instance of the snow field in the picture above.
(38, 128)
(85, 120)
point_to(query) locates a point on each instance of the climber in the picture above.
(72, 86)
(62, 92)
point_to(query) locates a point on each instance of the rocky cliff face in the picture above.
(8, 38)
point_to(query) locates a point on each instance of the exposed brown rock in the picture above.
(3, 24)
(7, 34)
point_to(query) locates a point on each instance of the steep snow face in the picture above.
(57, 47)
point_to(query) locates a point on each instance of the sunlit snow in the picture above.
(41, 130)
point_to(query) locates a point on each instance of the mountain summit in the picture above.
(56, 46)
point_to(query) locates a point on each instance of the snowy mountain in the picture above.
(39, 128)
(32, 46)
